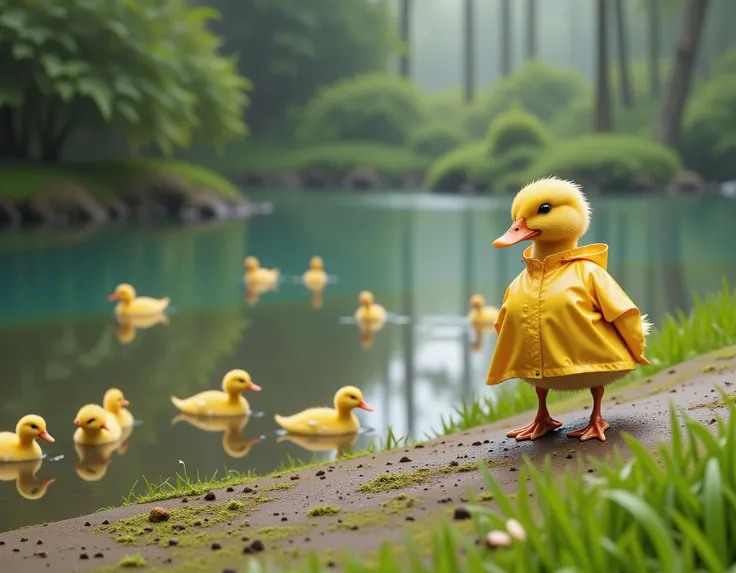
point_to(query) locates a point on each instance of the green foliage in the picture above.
(725, 63)
(291, 48)
(541, 89)
(445, 106)
(104, 179)
(610, 162)
(450, 171)
(516, 128)
(434, 139)
(577, 119)
(149, 71)
(381, 108)
(709, 326)
(507, 172)
(709, 132)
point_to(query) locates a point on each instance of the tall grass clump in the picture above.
(672, 510)
(710, 325)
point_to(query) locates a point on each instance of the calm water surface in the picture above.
(422, 256)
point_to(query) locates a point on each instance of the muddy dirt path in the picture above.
(376, 498)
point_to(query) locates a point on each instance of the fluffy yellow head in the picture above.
(31, 426)
(123, 292)
(251, 263)
(235, 381)
(114, 401)
(349, 397)
(91, 417)
(548, 211)
(366, 298)
(316, 264)
(477, 301)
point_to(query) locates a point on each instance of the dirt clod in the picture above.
(209, 496)
(23, 539)
(83, 556)
(320, 473)
(215, 546)
(257, 545)
(98, 555)
(404, 460)
(461, 513)
(294, 477)
(158, 514)
(173, 541)
(41, 554)
(230, 489)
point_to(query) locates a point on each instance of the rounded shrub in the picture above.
(445, 106)
(455, 168)
(541, 89)
(726, 63)
(435, 139)
(610, 162)
(708, 141)
(373, 107)
(516, 128)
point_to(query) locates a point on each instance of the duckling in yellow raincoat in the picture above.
(565, 324)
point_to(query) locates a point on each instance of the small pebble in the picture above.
(354, 528)
(569, 456)
(215, 546)
(173, 541)
(247, 490)
(331, 564)
(284, 519)
(404, 460)
(512, 469)
(230, 489)
(84, 556)
(106, 522)
(453, 464)
(98, 555)
(2, 543)
(409, 518)
(257, 545)
(294, 477)
(477, 443)
(516, 530)
(41, 554)
(209, 496)
(461, 513)
(23, 539)
(418, 446)
(16, 550)
(496, 539)
(158, 514)
(178, 527)
(39, 542)
(320, 473)
(148, 529)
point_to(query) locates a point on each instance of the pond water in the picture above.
(422, 256)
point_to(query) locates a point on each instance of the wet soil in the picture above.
(358, 504)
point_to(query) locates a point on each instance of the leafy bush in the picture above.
(708, 141)
(452, 170)
(515, 128)
(541, 89)
(726, 63)
(617, 162)
(374, 107)
(435, 139)
(507, 171)
(445, 106)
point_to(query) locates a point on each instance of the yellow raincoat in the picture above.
(565, 316)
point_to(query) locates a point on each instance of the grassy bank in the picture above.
(711, 325)
(674, 513)
(104, 179)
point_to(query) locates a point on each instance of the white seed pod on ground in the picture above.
(516, 530)
(496, 539)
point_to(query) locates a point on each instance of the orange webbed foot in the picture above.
(538, 428)
(596, 428)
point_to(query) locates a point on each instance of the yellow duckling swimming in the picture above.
(255, 274)
(233, 442)
(96, 426)
(480, 314)
(565, 324)
(24, 475)
(369, 311)
(21, 445)
(229, 402)
(115, 403)
(129, 324)
(132, 305)
(328, 421)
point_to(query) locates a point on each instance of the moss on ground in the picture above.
(279, 532)
(131, 561)
(321, 510)
(278, 487)
(387, 482)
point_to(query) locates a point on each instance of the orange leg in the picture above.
(597, 426)
(542, 424)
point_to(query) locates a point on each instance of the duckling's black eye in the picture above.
(544, 208)
(90, 420)
(34, 426)
(353, 397)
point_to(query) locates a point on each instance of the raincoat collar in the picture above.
(596, 253)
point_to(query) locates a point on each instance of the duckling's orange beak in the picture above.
(46, 436)
(364, 406)
(517, 233)
(254, 387)
(113, 296)
(104, 427)
(77, 423)
(125, 403)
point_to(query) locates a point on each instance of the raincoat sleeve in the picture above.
(501, 313)
(616, 307)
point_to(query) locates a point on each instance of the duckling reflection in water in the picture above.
(127, 326)
(94, 460)
(24, 474)
(367, 330)
(315, 280)
(234, 444)
(343, 444)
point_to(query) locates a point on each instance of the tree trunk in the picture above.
(655, 41)
(678, 88)
(531, 29)
(603, 112)
(505, 35)
(469, 55)
(405, 27)
(627, 94)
